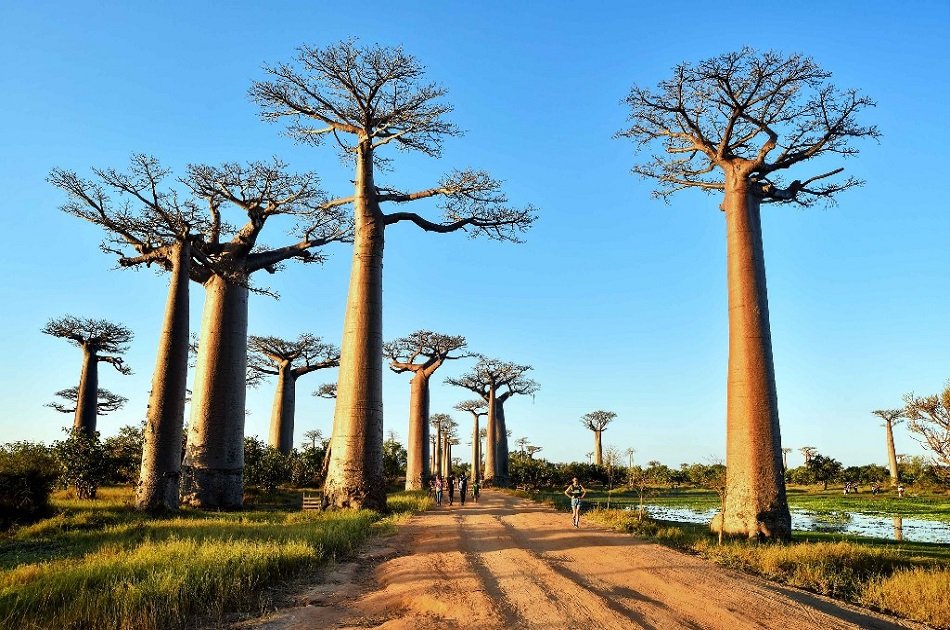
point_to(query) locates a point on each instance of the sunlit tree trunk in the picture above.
(476, 452)
(439, 469)
(160, 474)
(491, 429)
(87, 398)
(598, 449)
(214, 460)
(355, 474)
(282, 416)
(755, 494)
(891, 452)
(501, 445)
(417, 443)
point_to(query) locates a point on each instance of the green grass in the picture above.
(101, 564)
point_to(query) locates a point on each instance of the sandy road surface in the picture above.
(510, 563)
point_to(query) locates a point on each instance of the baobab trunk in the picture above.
(891, 452)
(447, 459)
(159, 477)
(491, 429)
(87, 398)
(755, 504)
(476, 453)
(501, 445)
(282, 416)
(214, 459)
(355, 475)
(437, 460)
(417, 446)
(598, 449)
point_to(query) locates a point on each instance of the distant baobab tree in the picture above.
(750, 117)
(214, 461)
(808, 452)
(891, 417)
(288, 361)
(929, 419)
(785, 451)
(589, 456)
(496, 381)
(94, 337)
(522, 444)
(597, 422)
(477, 408)
(422, 353)
(327, 390)
(311, 438)
(441, 423)
(149, 224)
(630, 452)
(365, 98)
(106, 401)
(531, 450)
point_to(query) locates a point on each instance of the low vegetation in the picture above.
(101, 564)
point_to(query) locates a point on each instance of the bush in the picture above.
(28, 472)
(85, 465)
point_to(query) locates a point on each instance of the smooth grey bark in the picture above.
(598, 448)
(87, 399)
(214, 459)
(160, 474)
(282, 416)
(491, 439)
(501, 441)
(476, 452)
(891, 452)
(417, 442)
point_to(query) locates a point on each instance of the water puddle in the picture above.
(859, 524)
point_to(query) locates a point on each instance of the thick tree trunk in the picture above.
(491, 429)
(214, 459)
(447, 459)
(439, 468)
(159, 477)
(355, 474)
(282, 416)
(87, 398)
(476, 453)
(501, 445)
(755, 504)
(417, 443)
(891, 453)
(598, 449)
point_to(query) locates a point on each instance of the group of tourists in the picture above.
(440, 486)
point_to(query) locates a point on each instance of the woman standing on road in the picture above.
(576, 492)
(438, 490)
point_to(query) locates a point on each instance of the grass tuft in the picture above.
(917, 593)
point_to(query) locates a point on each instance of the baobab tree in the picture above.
(891, 417)
(522, 444)
(532, 449)
(477, 408)
(422, 353)
(147, 224)
(785, 451)
(750, 117)
(440, 422)
(496, 381)
(630, 452)
(366, 98)
(214, 460)
(311, 438)
(288, 361)
(106, 401)
(94, 337)
(929, 418)
(597, 422)
(808, 452)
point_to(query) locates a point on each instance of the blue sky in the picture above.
(616, 299)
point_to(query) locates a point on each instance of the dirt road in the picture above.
(510, 563)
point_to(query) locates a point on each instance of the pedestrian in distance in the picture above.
(476, 486)
(438, 491)
(450, 482)
(576, 492)
(463, 486)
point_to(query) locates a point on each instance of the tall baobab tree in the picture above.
(891, 417)
(422, 353)
(440, 422)
(808, 452)
(214, 460)
(106, 401)
(94, 337)
(929, 418)
(496, 381)
(750, 117)
(147, 224)
(477, 408)
(288, 361)
(597, 422)
(366, 98)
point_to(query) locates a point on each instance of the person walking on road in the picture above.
(463, 486)
(475, 488)
(450, 482)
(576, 492)
(438, 491)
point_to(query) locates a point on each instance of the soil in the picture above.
(510, 563)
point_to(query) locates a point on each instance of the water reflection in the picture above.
(894, 527)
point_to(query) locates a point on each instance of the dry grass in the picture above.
(919, 593)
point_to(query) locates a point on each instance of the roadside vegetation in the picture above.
(102, 564)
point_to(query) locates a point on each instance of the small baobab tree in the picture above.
(311, 438)
(440, 423)
(421, 353)
(149, 225)
(785, 451)
(749, 117)
(477, 408)
(94, 337)
(288, 361)
(532, 449)
(106, 401)
(367, 98)
(929, 420)
(522, 444)
(808, 452)
(496, 381)
(891, 417)
(597, 422)
(214, 461)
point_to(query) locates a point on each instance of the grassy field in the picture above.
(101, 564)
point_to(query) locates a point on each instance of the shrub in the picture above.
(28, 472)
(85, 465)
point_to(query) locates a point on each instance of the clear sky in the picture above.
(616, 299)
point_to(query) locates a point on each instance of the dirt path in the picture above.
(509, 563)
